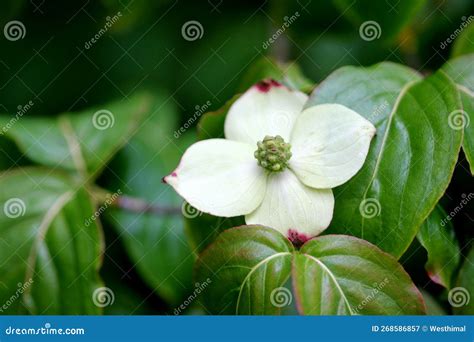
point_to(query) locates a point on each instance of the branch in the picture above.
(137, 205)
(132, 204)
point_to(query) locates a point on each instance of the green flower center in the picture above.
(273, 153)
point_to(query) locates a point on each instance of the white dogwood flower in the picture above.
(278, 162)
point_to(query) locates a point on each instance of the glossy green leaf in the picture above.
(50, 248)
(464, 43)
(461, 297)
(411, 158)
(82, 142)
(255, 270)
(391, 17)
(156, 243)
(202, 229)
(433, 308)
(461, 71)
(437, 236)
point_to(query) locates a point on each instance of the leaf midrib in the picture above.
(74, 146)
(254, 268)
(333, 278)
(403, 91)
(45, 224)
(310, 257)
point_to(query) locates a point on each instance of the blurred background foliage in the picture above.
(145, 50)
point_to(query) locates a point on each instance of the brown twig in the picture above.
(138, 205)
(132, 204)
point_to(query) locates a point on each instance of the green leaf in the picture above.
(461, 297)
(49, 254)
(156, 243)
(433, 308)
(244, 264)
(392, 17)
(437, 236)
(255, 270)
(411, 158)
(82, 142)
(464, 44)
(202, 229)
(461, 71)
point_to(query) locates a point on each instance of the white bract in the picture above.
(278, 162)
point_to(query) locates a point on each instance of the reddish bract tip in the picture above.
(265, 85)
(298, 239)
(173, 174)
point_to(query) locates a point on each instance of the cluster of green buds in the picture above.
(273, 153)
